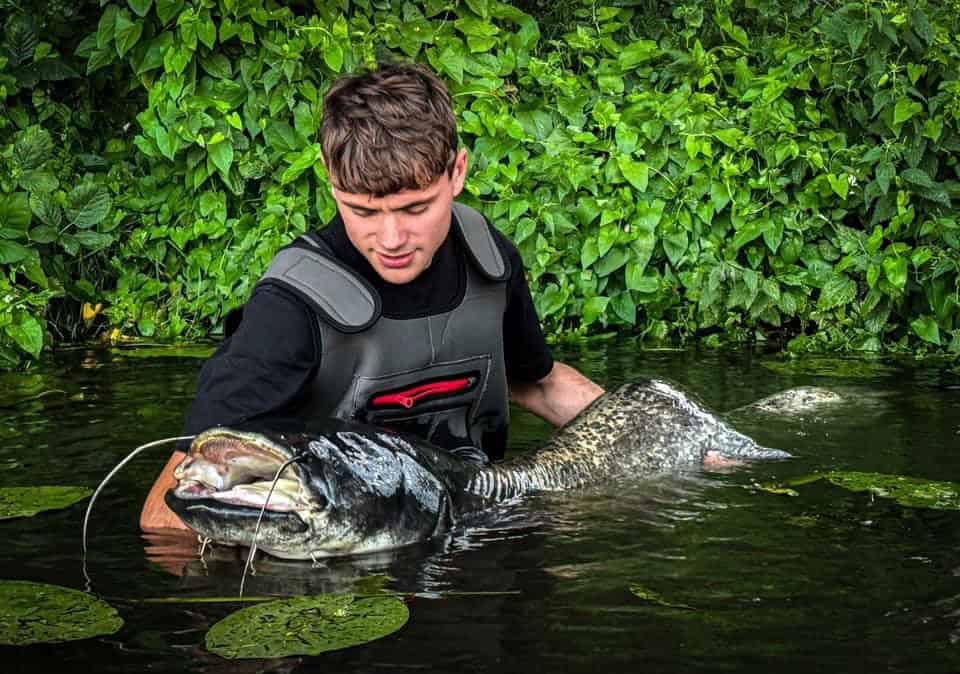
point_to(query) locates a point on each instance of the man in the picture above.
(407, 310)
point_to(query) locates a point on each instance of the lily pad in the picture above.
(306, 626)
(188, 351)
(912, 492)
(28, 501)
(654, 598)
(830, 367)
(32, 613)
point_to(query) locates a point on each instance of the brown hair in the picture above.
(387, 130)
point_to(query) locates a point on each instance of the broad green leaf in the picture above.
(675, 245)
(15, 211)
(217, 65)
(750, 231)
(127, 33)
(594, 308)
(168, 9)
(589, 253)
(140, 7)
(637, 52)
(895, 269)
(88, 204)
(927, 329)
(611, 262)
(885, 174)
(107, 26)
(36, 613)
(222, 155)
(333, 57)
(305, 626)
(636, 172)
(624, 307)
(917, 176)
(28, 333)
(905, 110)
(207, 31)
(303, 161)
(738, 34)
(839, 290)
(11, 252)
(839, 184)
(729, 137)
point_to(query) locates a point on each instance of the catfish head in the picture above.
(350, 491)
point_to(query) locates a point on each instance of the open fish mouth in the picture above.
(239, 469)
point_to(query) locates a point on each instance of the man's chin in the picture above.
(399, 275)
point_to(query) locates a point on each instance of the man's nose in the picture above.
(393, 234)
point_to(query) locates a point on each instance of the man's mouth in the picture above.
(395, 261)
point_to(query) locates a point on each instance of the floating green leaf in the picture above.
(28, 501)
(32, 613)
(306, 626)
(652, 597)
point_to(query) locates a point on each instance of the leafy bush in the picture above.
(747, 170)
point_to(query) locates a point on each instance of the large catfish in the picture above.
(354, 489)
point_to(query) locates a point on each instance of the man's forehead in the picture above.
(397, 200)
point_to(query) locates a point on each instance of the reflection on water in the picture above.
(742, 579)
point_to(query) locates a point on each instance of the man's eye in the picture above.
(364, 214)
(415, 211)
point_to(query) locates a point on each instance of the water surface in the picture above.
(735, 578)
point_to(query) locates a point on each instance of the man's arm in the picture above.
(156, 514)
(558, 397)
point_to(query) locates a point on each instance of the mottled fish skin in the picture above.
(365, 489)
(641, 428)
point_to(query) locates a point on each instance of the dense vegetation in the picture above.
(735, 169)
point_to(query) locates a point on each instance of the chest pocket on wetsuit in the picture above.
(437, 403)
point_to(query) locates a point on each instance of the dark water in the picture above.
(827, 580)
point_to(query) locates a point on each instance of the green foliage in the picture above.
(751, 168)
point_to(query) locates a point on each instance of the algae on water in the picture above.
(306, 626)
(32, 613)
(28, 501)
(912, 492)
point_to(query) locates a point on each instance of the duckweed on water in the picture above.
(306, 626)
(28, 501)
(912, 492)
(32, 613)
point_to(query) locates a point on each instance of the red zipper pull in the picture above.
(410, 397)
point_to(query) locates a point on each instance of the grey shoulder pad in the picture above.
(342, 298)
(476, 235)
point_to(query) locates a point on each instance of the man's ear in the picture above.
(459, 177)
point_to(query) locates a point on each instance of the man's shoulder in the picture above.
(309, 269)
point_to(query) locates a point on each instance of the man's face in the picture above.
(400, 233)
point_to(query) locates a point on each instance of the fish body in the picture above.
(354, 489)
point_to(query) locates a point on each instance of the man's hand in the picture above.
(155, 514)
(558, 397)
